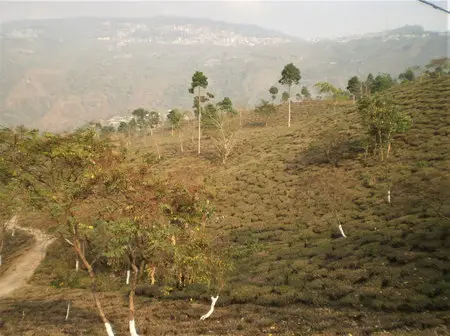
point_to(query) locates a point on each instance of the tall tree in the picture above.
(273, 90)
(290, 75)
(354, 87)
(154, 120)
(368, 85)
(382, 82)
(141, 117)
(407, 76)
(199, 81)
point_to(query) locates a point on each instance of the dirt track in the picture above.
(23, 267)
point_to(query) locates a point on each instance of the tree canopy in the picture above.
(382, 119)
(290, 75)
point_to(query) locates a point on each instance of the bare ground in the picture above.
(23, 268)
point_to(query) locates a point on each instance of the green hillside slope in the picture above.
(283, 194)
(284, 198)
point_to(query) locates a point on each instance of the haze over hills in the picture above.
(58, 74)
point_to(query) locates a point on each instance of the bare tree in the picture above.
(226, 137)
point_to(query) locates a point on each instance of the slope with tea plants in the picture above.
(281, 197)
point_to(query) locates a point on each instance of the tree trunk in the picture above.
(142, 268)
(131, 298)
(289, 108)
(2, 234)
(157, 149)
(388, 150)
(199, 119)
(380, 146)
(181, 141)
(152, 275)
(101, 312)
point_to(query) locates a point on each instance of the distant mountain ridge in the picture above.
(58, 74)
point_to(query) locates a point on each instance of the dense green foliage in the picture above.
(383, 119)
(273, 90)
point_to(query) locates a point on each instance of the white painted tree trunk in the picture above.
(289, 113)
(342, 231)
(389, 197)
(199, 120)
(128, 277)
(211, 310)
(77, 265)
(109, 330)
(0, 260)
(68, 311)
(133, 331)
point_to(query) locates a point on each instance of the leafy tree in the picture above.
(199, 81)
(58, 173)
(141, 116)
(8, 189)
(175, 118)
(305, 93)
(265, 109)
(327, 88)
(382, 119)
(382, 82)
(290, 75)
(407, 76)
(154, 120)
(146, 119)
(273, 90)
(123, 127)
(226, 105)
(285, 96)
(354, 87)
(333, 92)
(298, 96)
(158, 224)
(368, 85)
(210, 115)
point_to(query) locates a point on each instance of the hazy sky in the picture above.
(307, 19)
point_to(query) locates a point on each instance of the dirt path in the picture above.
(23, 267)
